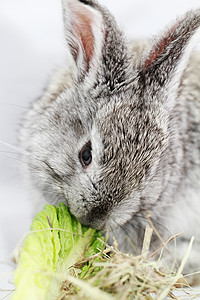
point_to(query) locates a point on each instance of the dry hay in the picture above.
(113, 275)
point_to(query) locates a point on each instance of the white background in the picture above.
(31, 47)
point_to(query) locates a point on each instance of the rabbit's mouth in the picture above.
(96, 219)
(107, 220)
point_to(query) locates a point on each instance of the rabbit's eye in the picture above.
(86, 155)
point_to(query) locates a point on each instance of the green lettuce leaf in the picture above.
(56, 242)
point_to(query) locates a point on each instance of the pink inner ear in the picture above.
(86, 35)
(160, 48)
(81, 23)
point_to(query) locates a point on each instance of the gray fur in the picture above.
(139, 106)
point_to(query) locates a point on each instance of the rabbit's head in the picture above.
(98, 144)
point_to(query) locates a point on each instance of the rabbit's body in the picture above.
(117, 133)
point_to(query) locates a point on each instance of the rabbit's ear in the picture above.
(163, 67)
(96, 44)
(83, 30)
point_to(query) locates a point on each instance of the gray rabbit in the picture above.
(116, 135)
